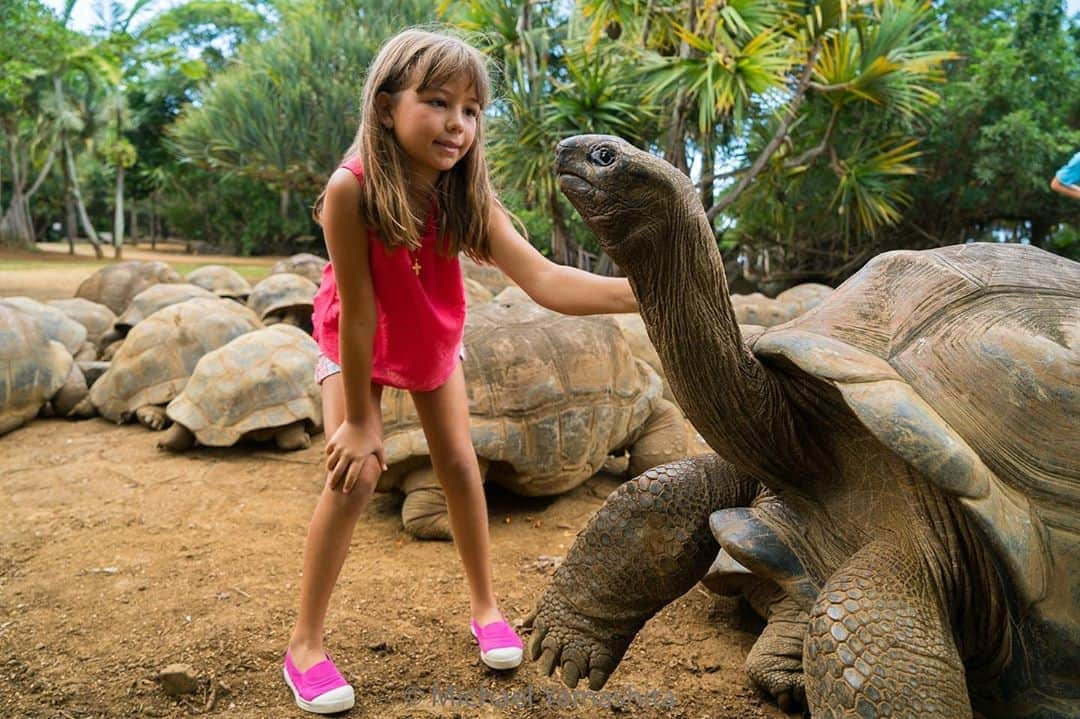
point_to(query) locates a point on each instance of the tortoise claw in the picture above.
(570, 673)
(580, 646)
(548, 659)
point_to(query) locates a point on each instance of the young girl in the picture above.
(411, 193)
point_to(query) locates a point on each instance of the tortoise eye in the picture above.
(602, 156)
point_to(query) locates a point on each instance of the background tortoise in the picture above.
(154, 298)
(284, 297)
(115, 285)
(550, 398)
(94, 316)
(55, 324)
(491, 277)
(303, 264)
(35, 371)
(259, 386)
(928, 527)
(160, 353)
(222, 281)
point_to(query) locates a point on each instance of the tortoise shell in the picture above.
(51, 321)
(964, 361)
(32, 368)
(221, 280)
(115, 285)
(303, 264)
(161, 352)
(550, 396)
(95, 317)
(281, 292)
(259, 380)
(155, 297)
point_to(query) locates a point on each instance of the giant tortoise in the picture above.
(304, 264)
(154, 298)
(550, 398)
(902, 460)
(94, 316)
(159, 355)
(222, 281)
(114, 285)
(284, 297)
(259, 386)
(36, 372)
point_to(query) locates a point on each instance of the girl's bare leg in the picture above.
(328, 538)
(444, 414)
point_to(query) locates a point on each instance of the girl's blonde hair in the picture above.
(422, 59)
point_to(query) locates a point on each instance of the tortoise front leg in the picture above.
(775, 661)
(879, 645)
(648, 545)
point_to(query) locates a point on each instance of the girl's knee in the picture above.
(353, 501)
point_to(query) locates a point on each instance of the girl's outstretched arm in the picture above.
(360, 435)
(563, 289)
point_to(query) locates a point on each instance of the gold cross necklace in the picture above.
(415, 263)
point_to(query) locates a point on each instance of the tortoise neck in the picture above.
(729, 396)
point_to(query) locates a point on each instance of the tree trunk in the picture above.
(16, 228)
(70, 220)
(88, 228)
(134, 217)
(118, 215)
(676, 147)
(708, 167)
(563, 248)
(153, 220)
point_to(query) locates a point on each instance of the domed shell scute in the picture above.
(161, 352)
(259, 380)
(32, 368)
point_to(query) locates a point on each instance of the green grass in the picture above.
(249, 272)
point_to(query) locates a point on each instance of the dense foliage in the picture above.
(820, 131)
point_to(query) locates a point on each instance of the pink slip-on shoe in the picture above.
(500, 646)
(320, 689)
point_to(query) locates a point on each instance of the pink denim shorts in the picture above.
(325, 367)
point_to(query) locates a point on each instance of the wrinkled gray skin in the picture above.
(892, 597)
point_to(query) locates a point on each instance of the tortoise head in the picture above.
(633, 201)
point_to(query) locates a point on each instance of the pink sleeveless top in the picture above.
(420, 318)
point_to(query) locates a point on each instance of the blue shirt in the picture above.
(1070, 173)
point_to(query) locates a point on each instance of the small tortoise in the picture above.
(902, 460)
(550, 398)
(259, 386)
(115, 285)
(284, 297)
(160, 353)
(154, 298)
(222, 281)
(94, 316)
(303, 264)
(36, 372)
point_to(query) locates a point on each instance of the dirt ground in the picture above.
(117, 560)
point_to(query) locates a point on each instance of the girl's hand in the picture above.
(350, 449)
